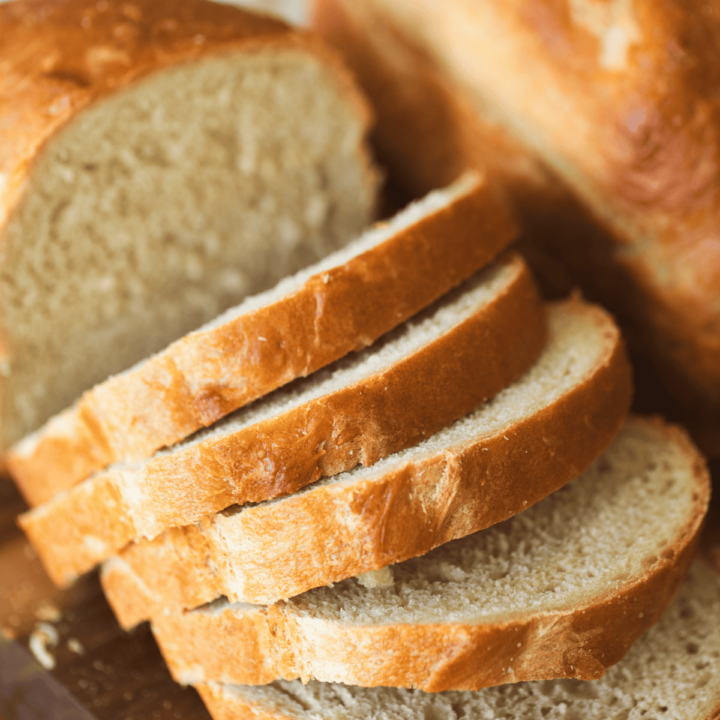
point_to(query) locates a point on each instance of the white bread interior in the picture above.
(673, 671)
(161, 206)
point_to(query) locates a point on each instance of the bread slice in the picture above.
(160, 161)
(561, 590)
(420, 378)
(673, 671)
(342, 303)
(532, 438)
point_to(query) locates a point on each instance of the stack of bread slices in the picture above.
(395, 474)
(459, 505)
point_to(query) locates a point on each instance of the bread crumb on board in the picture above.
(44, 637)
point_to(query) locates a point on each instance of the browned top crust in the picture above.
(59, 56)
(386, 410)
(341, 530)
(620, 100)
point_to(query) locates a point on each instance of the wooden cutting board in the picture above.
(115, 675)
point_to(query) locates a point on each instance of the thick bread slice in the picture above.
(532, 438)
(417, 380)
(159, 161)
(561, 590)
(344, 302)
(672, 672)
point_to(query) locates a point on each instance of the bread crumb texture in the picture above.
(164, 204)
(571, 547)
(673, 671)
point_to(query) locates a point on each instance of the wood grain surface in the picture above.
(114, 674)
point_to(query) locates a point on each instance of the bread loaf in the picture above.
(420, 378)
(159, 161)
(617, 101)
(532, 438)
(673, 671)
(561, 590)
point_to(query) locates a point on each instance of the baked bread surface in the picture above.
(419, 378)
(159, 161)
(602, 122)
(562, 589)
(672, 671)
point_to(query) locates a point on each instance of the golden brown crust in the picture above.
(581, 641)
(418, 105)
(639, 145)
(206, 375)
(139, 582)
(337, 531)
(391, 409)
(198, 647)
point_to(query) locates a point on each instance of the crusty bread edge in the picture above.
(427, 502)
(358, 423)
(179, 570)
(183, 576)
(333, 313)
(579, 643)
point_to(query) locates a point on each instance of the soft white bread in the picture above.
(159, 161)
(561, 590)
(673, 671)
(532, 438)
(418, 379)
(342, 303)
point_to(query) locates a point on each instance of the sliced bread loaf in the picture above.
(532, 438)
(420, 378)
(342, 303)
(561, 590)
(672, 672)
(159, 161)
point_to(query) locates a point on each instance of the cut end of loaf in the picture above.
(166, 203)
